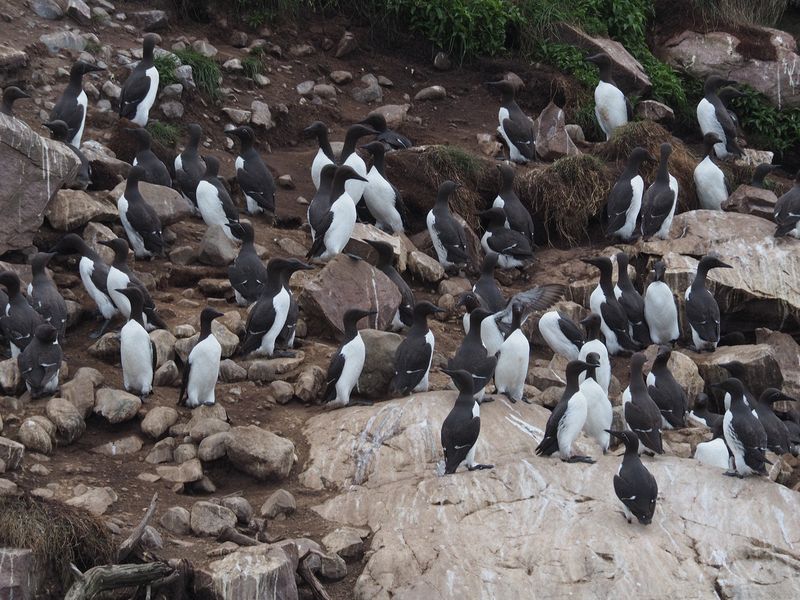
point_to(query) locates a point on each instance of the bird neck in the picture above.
(420, 325)
(325, 144)
(379, 162)
(592, 331)
(349, 147)
(605, 73)
(637, 379)
(136, 310)
(663, 170)
(708, 149)
(606, 284)
(76, 80)
(699, 281)
(132, 188)
(205, 329)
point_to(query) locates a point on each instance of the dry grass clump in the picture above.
(57, 534)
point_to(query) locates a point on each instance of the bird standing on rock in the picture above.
(660, 200)
(599, 413)
(613, 318)
(611, 107)
(660, 310)
(140, 88)
(20, 320)
(347, 362)
(447, 234)
(404, 317)
(516, 128)
(631, 301)
(472, 356)
(412, 359)
(213, 201)
(625, 200)
(381, 197)
(253, 175)
(513, 248)
(666, 392)
(59, 132)
(350, 158)
(190, 166)
(713, 117)
(247, 273)
(634, 485)
(154, 170)
(709, 180)
(641, 414)
(395, 141)
(40, 362)
(321, 202)
(513, 360)
(202, 365)
(137, 351)
(518, 217)
(744, 434)
(702, 310)
(562, 334)
(324, 155)
(139, 219)
(595, 345)
(44, 296)
(71, 107)
(462, 426)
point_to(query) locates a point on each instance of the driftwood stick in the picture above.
(110, 577)
(129, 545)
(305, 573)
(229, 534)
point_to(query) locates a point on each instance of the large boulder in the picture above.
(378, 368)
(170, 206)
(552, 140)
(750, 200)
(32, 170)
(383, 461)
(70, 209)
(756, 365)
(260, 453)
(248, 574)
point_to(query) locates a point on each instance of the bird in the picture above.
(412, 359)
(641, 413)
(472, 356)
(702, 310)
(516, 128)
(321, 201)
(155, 171)
(44, 296)
(567, 419)
(486, 288)
(202, 365)
(666, 392)
(139, 219)
(40, 362)
(595, 345)
(94, 275)
(714, 453)
(269, 314)
(760, 173)
(138, 93)
(59, 132)
(337, 225)
(247, 273)
(120, 276)
(625, 199)
(347, 362)
(603, 302)
(354, 186)
(562, 334)
(470, 302)
(744, 434)
(513, 248)
(447, 234)
(634, 485)
(631, 301)
(383, 199)
(324, 155)
(777, 433)
(701, 414)
(610, 104)
(137, 351)
(709, 180)
(189, 165)
(787, 211)
(599, 413)
(518, 217)
(660, 310)
(19, 321)
(660, 200)
(252, 173)
(713, 117)
(395, 141)
(72, 105)
(513, 360)
(404, 317)
(213, 201)
(10, 95)
(462, 426)
(285, 341)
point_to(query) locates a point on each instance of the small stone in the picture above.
(428, 269)
(213, 447)
(112, 90)
(188, 471)
(305, 88)
(233, 65)
(94, 499)
(575, 133)
(8, 488)
(261, 80)
(260, 453)
(261, 115)
(47, 9)
(271, 369)
(204, 48)
(309, 384)
(106, 348)
(185, 76)
(148, 477)
(230, 372)
(204, 427)
(384, 81)
(79, 12)
(280, 503)
(67, 419)
(346, 542)
(323, 90)
(11, 453)
(238, 39)
(341, 77)
(184, 255)
(332, 567)
(116, 406)
(184, 452)
(173, 91)
(431, 93)
(10, 378)
(172, 109)
(210, 519)
(162, 452)
(127, 445)
(301, 50)
(151, 20)
(280, 391)
(488, 144)
(216, 248)
(184, 331)
(167, 375)
(371, 93)
(286, 182)
(237, 115)
(241, 508)
(442, 61)
(176, 520)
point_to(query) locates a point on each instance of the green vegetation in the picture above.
(205, 71)
(165, 134)
(765, 125)
(743, 12)
(166, 64)
(253, 65)
(454, 162)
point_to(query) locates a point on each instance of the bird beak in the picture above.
(232, 132)
(106, 243)
(447, 372)
(716, 386)
(616, 434)
(217, 314)
(23, 94)
(723, 265)
(360, 178)
(306, 267)
(436, 309)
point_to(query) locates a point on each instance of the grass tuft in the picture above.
(205, 71)
(166, 134)
(253, 65)
(166, 64)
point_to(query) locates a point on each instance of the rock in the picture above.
(111, 90)
(286, 182)
(117, 406)
(34, 437)
(378, 368)
(684, 370)
(106, 348)
(11, 453)
(281, 391)
(238, 39)
(395, 114)
(216, 249)
(749, 200)
(248, 574)
(341, 77)
(752, 157)
(170, 206)
(347, 44)
(271, 369)
(164, 343)
(261, 80)
(127, 445)
(185, 76)
(425, 267)
(202, 428)
(172, 109)
(309, 384)
(455, 286)
(158, 420)
(167, 375)
(176, 520)
(364, 233)
(325, 91)
(153, 20)
(67, 419)
(63, 40)
(241, 508)
(575, 133)
(8, 488)
(183, 453)
(79, 11)
(305, 88)
(442, 61)
(204, 48)
(261, 115)
(19, 578)
(488, 144)
(786, 352)
(213, 447)
(71, 209)
(230, 372)
(210, 519)
(107, 170)
(10, 378)
(344, 284)
(332, 567)
(652, 110)
(371, 93)
(80, 390)
(233, 65)
(238, 116)
(552, 140)
(260, 453)
(346, 542)
(95, 499)
(186, 472)
(759, 367)
(280, 503)
(46, 9)
(162, 452)
(32, 170)
(431, 93)
(173, 90)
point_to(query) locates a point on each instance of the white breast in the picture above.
(117, 280)
(491, 337)
(661, 313)
(354, 187)
(379, 197)
(210, 206)
(599, 413)
(203, 372)
(281, 303)
(713, 453)
(84, 102)
(104, 303)
(710, 183)
(610, 107)
(512, 365)
(571, 424)
(441, 252)
(143, 108)
(707, 118)
(320, 160)
(558, 342)
(603, 372)
(338, 234)
(136, 355)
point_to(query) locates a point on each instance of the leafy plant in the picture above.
(205, 71)
(165, 134)
(253, 65)
(166, 64)
(764, 124)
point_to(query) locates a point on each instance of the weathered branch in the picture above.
(305, 573)
(229, 534)
(99, 579)
(129, 545)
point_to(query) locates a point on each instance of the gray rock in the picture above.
(151, 20)
(162, 452)
(240, 506)
(185, 76)
(237, 115)
(79, 11)
(10, 378)
(70, 209)
(274, 368)
(305, 88)
(204, 48)
(341, 77)
(260, 453)
(346, 542)
(261, 80)
(301, 50)
(210, 519)
(395, 114)
(280, 391)
(230, 372)
(183, 453)
(34, 437)
(652, 110)
(158, 420)
(67, 419)
(201, 428)
(172, 91)
(216, 248)
(21, 578)
(213, 447)
(261, 115)
(575, 133)
(233, 65)
(176, 520)
(378, 369)
(172, 109)
(280, 504)
(238, 39)
(117, 406)
(384, 81)
(128, 445)
(323, 90)
(106, 348)
(11, 453)
(186, 472)
(371, 93)
(552, 140)
(309, 384)
(332, 567)
(63, 40)
(47, 9)
(425, 267)
(248, 573)
(442, 61)
(111, 90)
(431, 93)
(80, 390)
(94, 499)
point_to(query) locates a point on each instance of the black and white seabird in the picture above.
(666, 392)
(472, 356)
(350, 158)
(562, 334)
(286, 337)
(137, 350)
(518, 217)
(155, 171)
(202, 366)
(40, 362)
(269, 314)
(20, 320)
(462, 426)
(599, 413)
(247, 273)
(660, 200)
(744, 433)
(715, 452)
(139, 219)
(512, 247)
(701, 414)
(120, 276)
(567, 419)
(516, 128)
(660, 310)
(513, 360)
(594, 345)
(603, 302)
(213, 201)
(702, 310)
(447, 234)
(631, 300)
(625, 200)
(486, 288)
(787, 211)
(59, 132)
(44, 296)
(10, 95)
(383, 199)
(139, 90)
(252, 173)
(412, 359)
(641, 413)
(709, 180)
(324, 155)
(611, 107)
(404, 317)
(321, 202)
(190, 166)
(347, 362)
(713, 117)
(634, 485)
(777, 433)
(71, 107)
(395, 141)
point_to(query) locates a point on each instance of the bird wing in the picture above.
(615, 318)
(319, 238)
(133, 91)
(187, 184)
(184, 380)
(414, 356)
(645, 422)
(639, 497)
(728, 127)
(549, 443)
(509, 242)
(460, 439)
(665, 406)
(396, 141)
(657, 207)
(260, 319)
(334, 372)
(703, 317)
(521, 135)
(400, 205)
(71, 113)
(231, 213)
(148, 225)
(256, 181)
(570, 330)
(451, 235)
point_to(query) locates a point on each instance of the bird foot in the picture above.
(527, 400)
(353, 256)
(580, 459)
(99, 333)
(361, 402)
(479, 467)
(486, 399)
(649, 453)
(733, 474)
(283, 354)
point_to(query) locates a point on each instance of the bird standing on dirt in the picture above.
(516, 128)
(611, 107)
